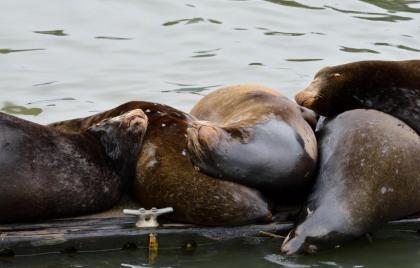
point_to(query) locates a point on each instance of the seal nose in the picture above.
(307, 96)
(207, 135)
(292, 244)
(136, 118)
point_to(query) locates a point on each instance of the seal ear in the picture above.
(322, 71)
(310, 116)
(334, 75)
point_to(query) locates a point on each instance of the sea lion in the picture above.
(368, 175)
(47, 173)
(255, 136)
(392, 87)
(166, 177)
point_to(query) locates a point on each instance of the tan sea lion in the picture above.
(47, 173)
(253, 135)
(369, 174)
(392, 87)
(165, 176)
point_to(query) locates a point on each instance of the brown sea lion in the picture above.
(165, 176)
(46, 173)
(368, 175)
(392, 87)
(255, 136)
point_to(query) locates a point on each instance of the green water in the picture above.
(392, 246)
(65, 59)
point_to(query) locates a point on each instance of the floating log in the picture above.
(114, 230)
(91, 234)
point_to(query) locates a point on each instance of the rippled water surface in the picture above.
(65, 59)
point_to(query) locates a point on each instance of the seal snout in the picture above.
(133, 121)
(308, 96)
(293, 244)
(136, 119)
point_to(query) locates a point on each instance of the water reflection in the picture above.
(133, 266)
(11, 108)
(8, 50)
(255, 64)
(214, 21)
(52, 100)
(205, 53)
(303, 60)
(44, 84)
(113, 38)
(358, 50)
(284, 33)
(395, 5)
(291, 3)
(389, 18)
(373, 16)
(52, 32)
(397, 46)
(191, 21)
(185, 88)
(284, 261)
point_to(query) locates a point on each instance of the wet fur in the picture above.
(263, 140)
(165, 176)
(368, 175)
(392, 87)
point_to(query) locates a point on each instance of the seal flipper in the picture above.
(255, 156)
(310, 116)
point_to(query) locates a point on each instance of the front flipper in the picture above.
(310, 116)
(268, 156)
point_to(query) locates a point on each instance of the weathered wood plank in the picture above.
(106, 233)
(116, 230)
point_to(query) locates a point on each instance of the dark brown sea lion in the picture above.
(369, 174)
(255, 136)
(46, 173)
(166, 177)
(392, 87)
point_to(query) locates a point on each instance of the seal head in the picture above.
(122, 138)
(392, 87)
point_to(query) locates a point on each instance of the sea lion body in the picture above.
(368, 175)
(45, 173)
(255, 136)
(392, 87)
(165, 176)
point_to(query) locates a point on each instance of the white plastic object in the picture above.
(147, 218)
